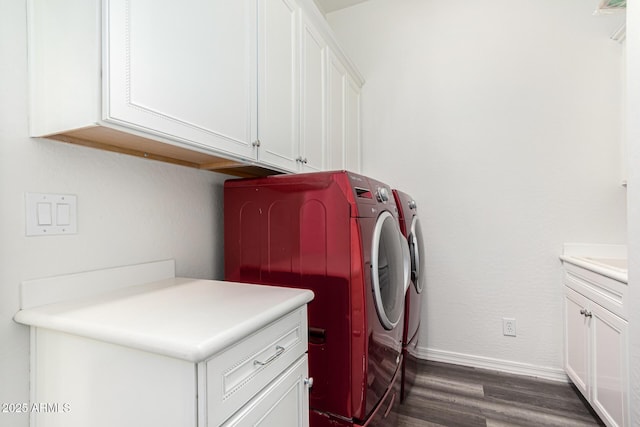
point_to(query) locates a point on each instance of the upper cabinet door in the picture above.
(313, 128)
(344, 146)
(336, 81)
(186, 70)
(353, 138)
(278, 83)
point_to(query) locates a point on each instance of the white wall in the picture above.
(503, 120)
(130, 210)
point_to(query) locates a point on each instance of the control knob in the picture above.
(382, 194)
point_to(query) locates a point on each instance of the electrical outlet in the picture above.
(508, 327)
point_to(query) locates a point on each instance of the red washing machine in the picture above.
(337, 234)
(410, 226)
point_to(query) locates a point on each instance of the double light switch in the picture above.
(51, 214)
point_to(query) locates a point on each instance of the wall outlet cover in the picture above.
(509, 327)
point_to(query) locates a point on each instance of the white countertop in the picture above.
(184, 318)
(607, 260)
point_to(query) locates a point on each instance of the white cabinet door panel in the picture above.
(352, 125)
(284, 403)
(337, 81)
(313, 132)
(278, 83)
(576, 341)
(609, 366)
(184, 70)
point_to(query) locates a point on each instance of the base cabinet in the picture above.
(596, 346)
(260, 380)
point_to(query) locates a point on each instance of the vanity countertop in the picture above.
(607, 260)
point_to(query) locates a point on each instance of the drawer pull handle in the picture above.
(308, 382)
(586, 313)
(279, 351)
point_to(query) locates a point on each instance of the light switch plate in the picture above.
(51, 214)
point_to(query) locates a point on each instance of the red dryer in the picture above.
(337, 234)
(410, 226)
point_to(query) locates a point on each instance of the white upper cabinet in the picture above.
(186, 70)
(278, 83)
(337, 81)
(353, 139)
(238, 86)
(313, 114)
(330, 136)
(344, 117)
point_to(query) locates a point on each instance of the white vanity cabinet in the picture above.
(212, 84)
(181, 352)
(596, 340)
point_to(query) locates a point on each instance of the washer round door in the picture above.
(416, 249)
(389, 270)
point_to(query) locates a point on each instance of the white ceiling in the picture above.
(328, 6)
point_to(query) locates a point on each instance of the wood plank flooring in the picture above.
(451, 395)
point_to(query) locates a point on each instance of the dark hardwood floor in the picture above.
(451, 395)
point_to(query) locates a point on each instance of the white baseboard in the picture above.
(517, 368)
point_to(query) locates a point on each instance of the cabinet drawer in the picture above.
(237, 374)
(283, 403)
(607, 292)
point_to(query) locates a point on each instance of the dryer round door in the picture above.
(389, 270)
(416, 249)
